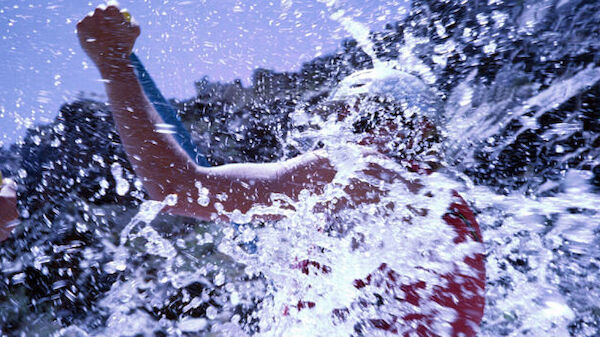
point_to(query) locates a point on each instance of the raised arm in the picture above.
(157, 158)
(108, 38)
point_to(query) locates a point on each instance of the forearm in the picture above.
(156, 157)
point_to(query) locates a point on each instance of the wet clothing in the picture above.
(457, 299)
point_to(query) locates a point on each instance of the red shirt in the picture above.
(423, 307)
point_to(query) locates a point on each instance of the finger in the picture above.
(83, 22)
(98, 13)
(98, 19)
(136, 30)
(113, 11)
(114, 15)
(86, 21)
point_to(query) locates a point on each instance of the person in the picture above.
(8, 207)
(452, 306)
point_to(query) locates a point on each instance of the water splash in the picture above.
(360, 32)
(522, 233)
(348, 246)
(468, 123)
(541, 244)
(155, 243)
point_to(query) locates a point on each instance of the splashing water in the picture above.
(359, 31)
(522, 233)
(155, 243)
(347, 249)
(540, 239)
(343, 248)
(530, 230)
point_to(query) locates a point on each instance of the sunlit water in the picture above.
(513, 225)
(529, 240)
(351, 245)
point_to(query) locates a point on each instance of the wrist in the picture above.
(115, 68)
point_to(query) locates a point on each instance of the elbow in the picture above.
(160, 189)
(186, 209)
(186, 203)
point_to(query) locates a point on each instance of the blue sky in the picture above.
(42, 65)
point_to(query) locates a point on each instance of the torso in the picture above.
(431, 302)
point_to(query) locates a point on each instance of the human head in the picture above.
(396, 111)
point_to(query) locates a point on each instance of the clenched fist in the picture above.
(108, 38)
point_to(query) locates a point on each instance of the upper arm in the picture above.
(210, 191)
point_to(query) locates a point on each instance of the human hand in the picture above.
(8, 208)
(108, 38)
